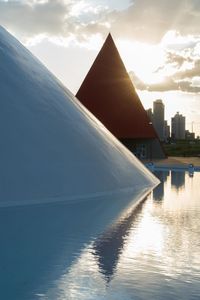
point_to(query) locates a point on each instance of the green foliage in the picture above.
(183, 148)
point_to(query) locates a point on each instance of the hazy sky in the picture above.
(159, 42)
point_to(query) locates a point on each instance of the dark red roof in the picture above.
(107, 91)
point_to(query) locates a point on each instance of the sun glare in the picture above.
(143, 60)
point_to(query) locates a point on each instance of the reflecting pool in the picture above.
(106, 250)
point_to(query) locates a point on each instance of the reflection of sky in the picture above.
(40, 243)
(106, 249)
(156, 251)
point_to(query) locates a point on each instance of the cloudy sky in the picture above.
(159, 42)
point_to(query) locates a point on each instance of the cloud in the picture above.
(173, 59)
(176, 59)
(63, 18)
(187, 86)
(176, 63)
(149, 20)
(182, 66)
(168, 84)
(189, 73)
(142, 20)
(172, 25)
(137, 82)
(30, 18)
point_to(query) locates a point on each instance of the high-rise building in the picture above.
(189, 135)
(150, 114)
(166, 131)
(158, 118)
(178, 127)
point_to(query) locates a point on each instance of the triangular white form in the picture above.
(51, 147)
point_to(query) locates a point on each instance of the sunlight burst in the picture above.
(143, 60)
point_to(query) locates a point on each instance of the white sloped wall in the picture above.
(51, 147)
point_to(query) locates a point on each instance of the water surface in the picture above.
(110, 249)
(151, 253)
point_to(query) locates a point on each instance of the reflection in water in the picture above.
(108, 247)
(110, 251)
(151, 253)
(158, 192)
(177, 179)
(32, 258)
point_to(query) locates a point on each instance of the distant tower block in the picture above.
(107, 91)
(178, 126)
(158, 118)
(166, 131)
(150, 114)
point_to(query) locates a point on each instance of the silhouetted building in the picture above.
(158, 118)
(150, 114)
(189, 135)
(107, 91)
(166, 131)
(178, 127)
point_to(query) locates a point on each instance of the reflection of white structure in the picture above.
(52, 147)
(178, 126)
(158, 118)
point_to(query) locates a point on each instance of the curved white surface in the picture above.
(51, 147)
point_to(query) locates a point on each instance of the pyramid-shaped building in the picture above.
(107, 91)
(52, 148)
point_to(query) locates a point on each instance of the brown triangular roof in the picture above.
(107, 91)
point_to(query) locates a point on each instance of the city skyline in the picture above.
(160, 53)
(176, 128)
(192, 123)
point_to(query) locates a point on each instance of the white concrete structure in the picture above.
(52, 148)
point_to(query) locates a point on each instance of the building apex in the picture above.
(108, 92)
(158, 101)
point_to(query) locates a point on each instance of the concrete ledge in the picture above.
(178, 163)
